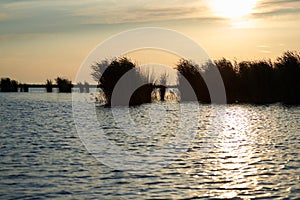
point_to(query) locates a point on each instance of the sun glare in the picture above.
(232, 9)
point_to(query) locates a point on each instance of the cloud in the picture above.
(45, 16)
(278, 8)
(265, 51)
(22, 36)
(31, 16)
(4, 16)
(263, 46)
(139, 11)
(278, 2)
(111, 10)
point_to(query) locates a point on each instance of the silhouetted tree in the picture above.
(64, 85)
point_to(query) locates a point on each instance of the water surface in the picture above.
(240, 151)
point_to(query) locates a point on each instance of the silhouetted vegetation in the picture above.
(80, 87)
(287, 76)
(23, 87)
(255, 81)
(64, 85)
(8, 85)
(83, 88)
(49, 85)
(230, 79)
(191, 84)
(163, 87)
(107, 74)
(86, 87)
(142, 95)
(258, 82)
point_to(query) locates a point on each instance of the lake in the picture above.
(228, 151)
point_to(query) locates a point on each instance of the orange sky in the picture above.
(44, 39)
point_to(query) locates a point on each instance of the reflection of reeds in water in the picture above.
(100, 98)
(171, 94)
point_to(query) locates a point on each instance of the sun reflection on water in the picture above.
(231, 165)
(234, 152)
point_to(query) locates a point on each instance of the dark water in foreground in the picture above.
(256, 154)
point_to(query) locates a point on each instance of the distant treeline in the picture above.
(259, 82)
(63, 85)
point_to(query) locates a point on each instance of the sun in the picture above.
(232, 9)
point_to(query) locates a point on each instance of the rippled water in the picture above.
(237, 151)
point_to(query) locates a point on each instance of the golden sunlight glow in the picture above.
(235, 144)
(232, 9)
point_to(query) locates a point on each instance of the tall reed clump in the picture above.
(191, 84)
(258, 82)
(109, 73)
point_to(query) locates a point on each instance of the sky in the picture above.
(41, 39)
